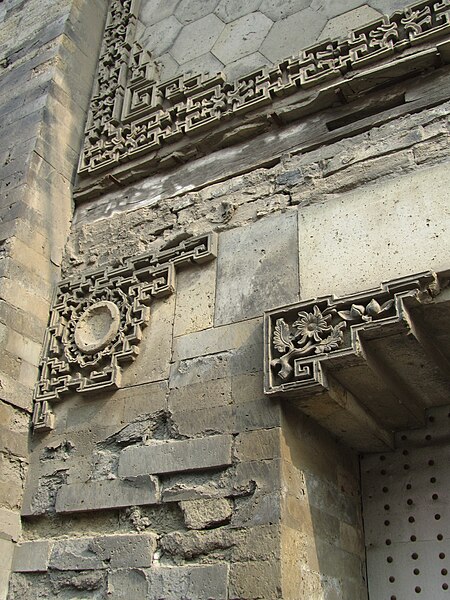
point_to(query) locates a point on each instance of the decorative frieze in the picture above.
(305, 339)
(132, 113)
(97, 321)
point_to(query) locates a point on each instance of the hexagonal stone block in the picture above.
(206, 63)
(242, 37)
(160, 37)
(387, 7)
(333, 9)
(197, 38)
(189, 11)
(280, 9)
(167, 66)
(338, 27)
(245, 65)
(153, 11)
(289, 36)
(230, 10)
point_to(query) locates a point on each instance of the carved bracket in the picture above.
(366, 356)
(132, 114)
(96, 322)
(301, 339)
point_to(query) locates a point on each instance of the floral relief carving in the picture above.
(311, 333)
(300, 339)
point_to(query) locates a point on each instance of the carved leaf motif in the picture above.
(333, 341)
(282, 336)
(374, 308)
(355, 313)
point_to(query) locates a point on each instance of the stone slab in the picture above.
(171, 583)
(340, 26)
(289, 35)
(242, 37)
(197, 38)
(257, 268)
(194, 309)
(195, 583)
(10, 525)
(376, 233)
(31, 557)
(201, 514)
(160, 457)
(100, 495)
(230, 10)
(218, 339)
(6, 553)
(112, 551)
(152, 363)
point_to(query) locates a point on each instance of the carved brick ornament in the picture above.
(302, 341)
(97, 321)
(132, 114)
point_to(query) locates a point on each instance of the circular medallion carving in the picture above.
(97, 327)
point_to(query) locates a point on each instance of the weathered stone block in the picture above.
(31, 557)
(196, 38)
(126, 584)
(248, 256)
(255, 579)
(188, 11)
(389, 219)
(113, 551)
(340, 26)
(10, 524)
(6, 552)
(260, 414)
(242, 37)
(176, 456)
(261, 444)
(201, 514)
(196, 288)
(265, 475)
(153, 365)
(258, 509)
(202, 368)
(99, 495)
(170, 583)
(201, 395)
(283, 39)
(206, 421)
(230, 10)
(195, 583)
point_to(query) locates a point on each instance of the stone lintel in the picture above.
(101, 495)
(160, 457)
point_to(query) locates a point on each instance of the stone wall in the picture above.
(47, 56)
(159, 468)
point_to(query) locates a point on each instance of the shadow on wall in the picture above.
(322, 533)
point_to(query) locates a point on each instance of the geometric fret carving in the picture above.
(96, 322)
(132, 113)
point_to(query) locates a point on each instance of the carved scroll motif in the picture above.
(131, 113)
(302, 339)
(97, 322)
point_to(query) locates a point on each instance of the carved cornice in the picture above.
(132, 114)
(302, 338)
(367, 356)
(96, 322)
